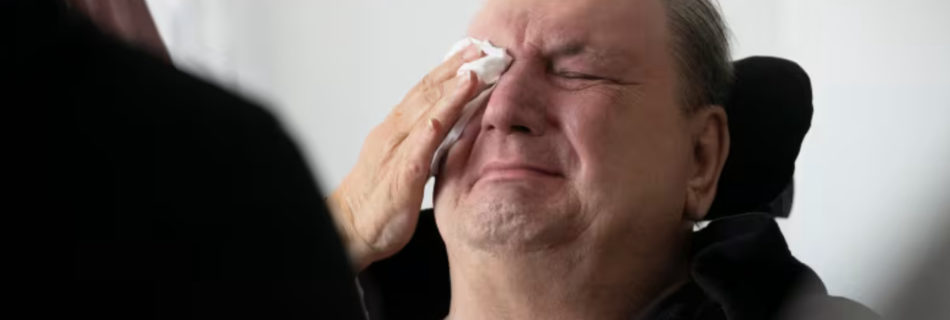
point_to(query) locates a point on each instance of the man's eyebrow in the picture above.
(568, 49)
(576, 48)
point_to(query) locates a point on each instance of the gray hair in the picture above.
(700, 46)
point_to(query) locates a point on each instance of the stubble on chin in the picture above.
(508, 222)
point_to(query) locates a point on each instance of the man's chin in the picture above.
(514, 199)
(518, 217)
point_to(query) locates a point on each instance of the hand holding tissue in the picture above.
(489, 69)
(377, 204)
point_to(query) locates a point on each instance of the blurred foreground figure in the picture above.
(160, 196)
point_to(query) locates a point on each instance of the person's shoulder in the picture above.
(743, 264)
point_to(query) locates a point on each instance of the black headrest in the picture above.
(769, 109)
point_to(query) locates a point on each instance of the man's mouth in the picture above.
(516, 171)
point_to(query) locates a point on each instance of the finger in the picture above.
(449, 68)
(431, 129)
(440, 82)
(433, 89)
(449, 110)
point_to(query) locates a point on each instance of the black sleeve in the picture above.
(413, 283)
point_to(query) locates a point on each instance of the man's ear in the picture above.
(710, 137)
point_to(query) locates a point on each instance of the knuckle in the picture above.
(415, 169)
(395, 115)
(433, 94)
(426, 82)
(392, 144)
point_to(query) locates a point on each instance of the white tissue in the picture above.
(489, 69)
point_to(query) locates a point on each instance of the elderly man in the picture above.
(575, 193)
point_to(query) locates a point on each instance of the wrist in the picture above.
(342, 215)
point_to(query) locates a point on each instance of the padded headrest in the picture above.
(770, 109)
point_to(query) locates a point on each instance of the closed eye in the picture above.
(578, 76)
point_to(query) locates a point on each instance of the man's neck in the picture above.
(563, 283)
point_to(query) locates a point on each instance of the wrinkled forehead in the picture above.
(632, 28)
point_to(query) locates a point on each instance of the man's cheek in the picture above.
(588, 131)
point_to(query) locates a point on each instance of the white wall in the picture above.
(871, 170)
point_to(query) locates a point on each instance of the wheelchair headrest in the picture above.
(770, 109)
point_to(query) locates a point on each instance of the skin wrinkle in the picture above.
(592, 61)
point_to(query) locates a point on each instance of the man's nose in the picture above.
(517, 104)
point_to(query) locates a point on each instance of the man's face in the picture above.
(581, 142)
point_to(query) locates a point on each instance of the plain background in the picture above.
(872, 171)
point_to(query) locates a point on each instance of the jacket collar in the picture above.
(741, 270)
